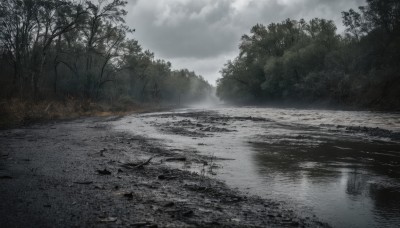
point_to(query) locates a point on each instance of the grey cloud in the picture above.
(181, 29)
(207, 67)
(198, 32)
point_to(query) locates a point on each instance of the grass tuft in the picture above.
(17, 112)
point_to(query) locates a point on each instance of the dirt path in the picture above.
(82, 173)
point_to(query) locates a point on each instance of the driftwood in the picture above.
(176, 159)
(108, 219)
(137, 166)
(164, 177)
(83, 182)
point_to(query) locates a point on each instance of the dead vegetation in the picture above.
(17, 112)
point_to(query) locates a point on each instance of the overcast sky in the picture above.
(201, 35)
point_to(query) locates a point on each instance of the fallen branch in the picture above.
(137, 166)
(164, 177)
(48, 106)
(144, 163)
(176, 159)
(83, 182)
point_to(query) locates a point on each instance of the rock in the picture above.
(5, 177)
(129, 195)
(102, 152)
(99, 187)
(187, 213)
(170, 204)
(295, 223)
(104, 172)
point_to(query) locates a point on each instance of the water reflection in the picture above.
(356, 183)
(350, 183)
(386, 203)
(300, 157)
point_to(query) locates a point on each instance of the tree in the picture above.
(27, 31)
(67, 48)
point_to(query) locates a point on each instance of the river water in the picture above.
(342, 166)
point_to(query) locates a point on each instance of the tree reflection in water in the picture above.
(359, 178)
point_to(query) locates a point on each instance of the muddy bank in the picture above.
(82, 173)
(199, 123)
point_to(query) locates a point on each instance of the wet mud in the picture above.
(84, 173)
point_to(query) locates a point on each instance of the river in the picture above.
(341, 166)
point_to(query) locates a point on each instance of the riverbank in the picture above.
(18, 113)
(83, 173)
(316, 105)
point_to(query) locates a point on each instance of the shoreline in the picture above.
(83, 173)
(17, 113)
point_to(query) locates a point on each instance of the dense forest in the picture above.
(60, 49)
(308, 62)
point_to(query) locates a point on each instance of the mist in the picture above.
(185, 113)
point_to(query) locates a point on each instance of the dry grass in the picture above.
(16, 112)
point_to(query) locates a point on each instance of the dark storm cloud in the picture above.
(192, 33)
(184, 29)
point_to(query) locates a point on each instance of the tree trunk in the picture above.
(37, 75)
(55, 78)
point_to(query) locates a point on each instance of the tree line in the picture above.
(308, 62)
(66, 48)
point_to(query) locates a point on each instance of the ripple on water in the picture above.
(344, 166)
